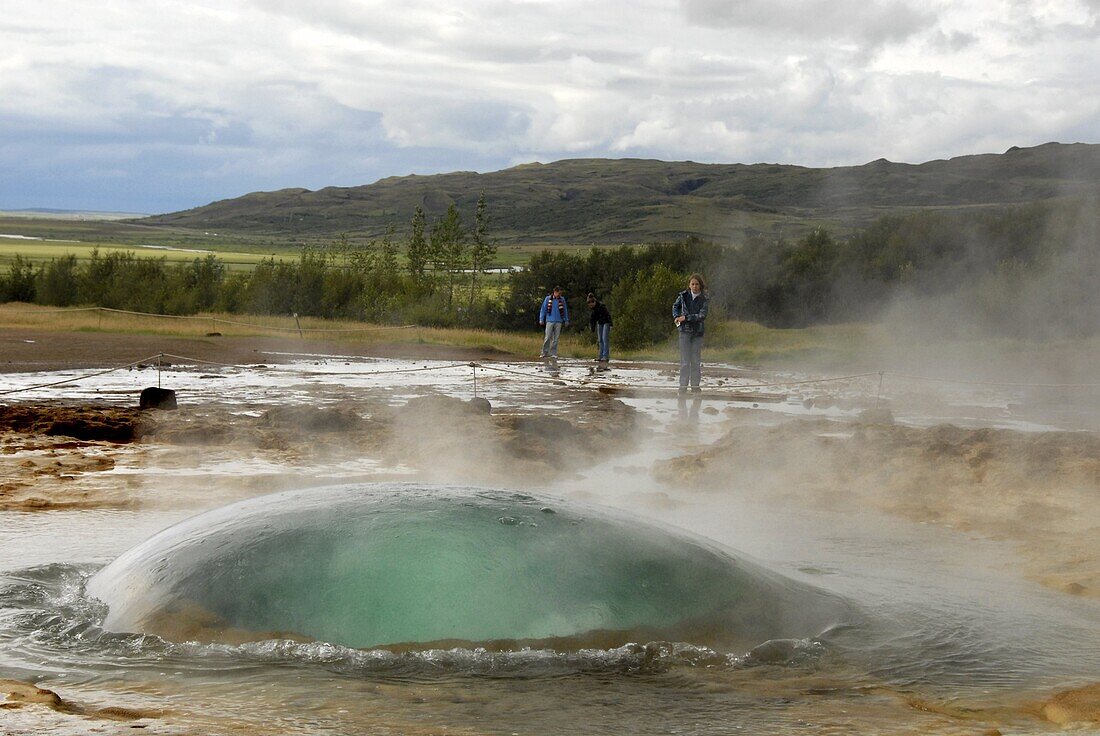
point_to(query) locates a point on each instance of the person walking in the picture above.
(600, 322)
(689, 313)
(553, 314)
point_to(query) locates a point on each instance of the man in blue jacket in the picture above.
(553, 314)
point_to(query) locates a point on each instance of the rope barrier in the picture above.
(200, 360)
(54, 311)
(304, 329)
(737, 388)
(151, 314)
(808, 381)
(397, 370)
(558, 379)
(80, 378)
(325, 373)
(326, 330)
(216, 320)
(1000, 384)
(554, 379)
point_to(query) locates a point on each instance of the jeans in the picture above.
(691, 359)
(550, 342)
(603, 336)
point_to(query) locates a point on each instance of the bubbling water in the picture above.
(407, 565)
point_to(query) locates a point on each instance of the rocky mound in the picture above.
(82, 422)
(1041, 490)
(52, 456)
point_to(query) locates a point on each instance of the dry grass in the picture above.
(28, 316)
(736, 342)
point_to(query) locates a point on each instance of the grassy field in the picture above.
(39, 251)
(116, 233)
(730, 341)
(41, 239)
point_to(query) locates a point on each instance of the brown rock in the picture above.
(1074, 706)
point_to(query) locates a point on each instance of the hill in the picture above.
(636, 200)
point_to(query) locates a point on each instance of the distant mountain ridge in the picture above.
(62, 214)
(640, 200)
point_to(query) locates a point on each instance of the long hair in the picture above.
(698, 277)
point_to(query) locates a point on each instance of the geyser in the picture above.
(376, 565)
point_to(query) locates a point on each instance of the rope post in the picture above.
(880, 376)
(473, 367)
(298, 323)
(160, 357)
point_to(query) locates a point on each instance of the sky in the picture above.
(160, 105)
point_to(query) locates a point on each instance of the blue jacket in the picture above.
(694, 310)
(559, 313)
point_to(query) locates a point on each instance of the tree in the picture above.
(205, 277)
(417, 252)
(19, 286)
(387, 257)
(450, 247)
(642, 305)
(807, 274)
(58, 282)
(482, 250)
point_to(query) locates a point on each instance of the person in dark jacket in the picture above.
(600, 322)
(689, 313)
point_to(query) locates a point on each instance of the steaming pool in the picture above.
(854, 622)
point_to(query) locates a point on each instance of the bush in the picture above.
(20, 284)
(58, 282)
(641, 306)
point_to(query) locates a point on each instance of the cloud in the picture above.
(458, 123)
(249, 94)
(870, 22)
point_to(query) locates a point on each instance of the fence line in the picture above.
(81, 378)
(587, 381)
(1000, 384)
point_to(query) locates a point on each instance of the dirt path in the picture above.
(23, 350)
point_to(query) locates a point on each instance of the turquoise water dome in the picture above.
(395, 564)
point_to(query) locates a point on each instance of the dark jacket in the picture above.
(600, 315)
(693, 309)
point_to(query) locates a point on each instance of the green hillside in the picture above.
(635, 200)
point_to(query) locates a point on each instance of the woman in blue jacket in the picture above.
(689, 312)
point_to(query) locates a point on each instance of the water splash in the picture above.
(414, 567)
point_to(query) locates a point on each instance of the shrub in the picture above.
(642, 306)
